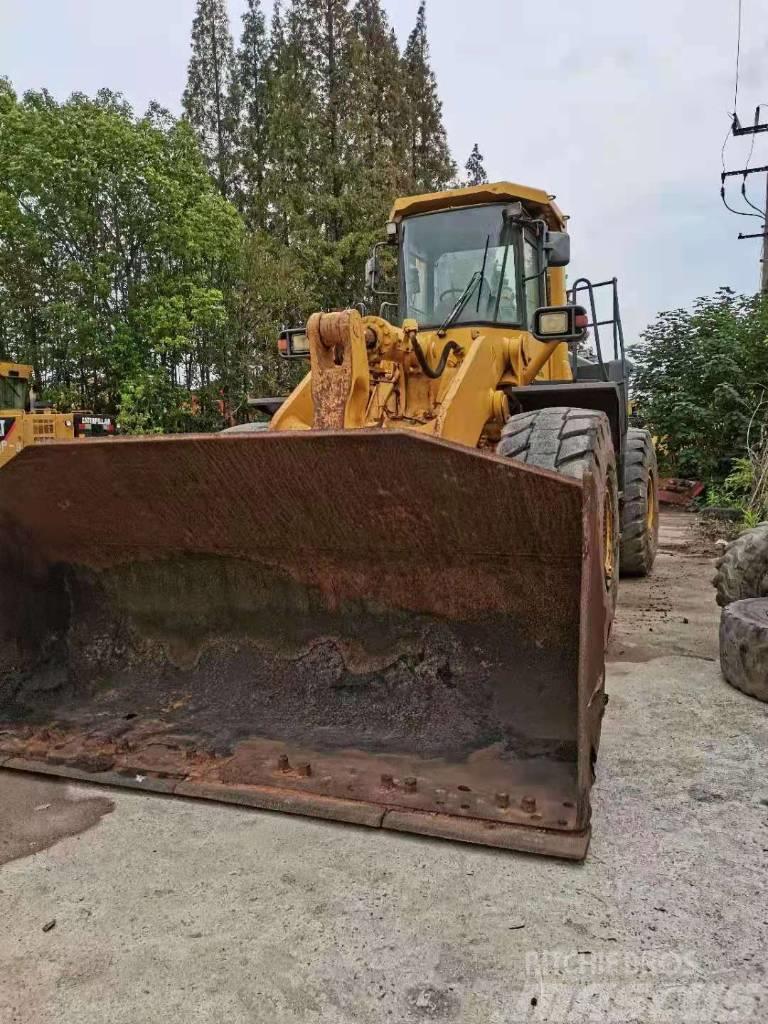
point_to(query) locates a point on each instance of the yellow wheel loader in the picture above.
(24, 421)
(389, 608)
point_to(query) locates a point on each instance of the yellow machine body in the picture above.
(18, 426)
(363, 613)
(382, 380)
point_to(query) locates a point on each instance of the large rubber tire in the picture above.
(640, 513)
(742, 572)
(744, 646)
(572, 442)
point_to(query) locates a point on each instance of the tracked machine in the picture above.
(391, 607)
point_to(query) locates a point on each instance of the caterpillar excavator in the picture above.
(390, 607)
(25, 421)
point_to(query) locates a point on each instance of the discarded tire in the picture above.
(742, 572)
(640, 513)
(744, 646)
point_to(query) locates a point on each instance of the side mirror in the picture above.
(560, 323)
(372, 272)
(293, 343)
(557, 248)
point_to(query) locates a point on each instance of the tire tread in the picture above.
(744, 646)
(638, 545)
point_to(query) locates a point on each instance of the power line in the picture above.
(749, 157)
(734, 115)
(739, 213)
(752, 143)
(738, 59)
(725, 143)
(748, 201)
(738, 129)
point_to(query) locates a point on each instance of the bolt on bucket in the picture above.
(369, 626)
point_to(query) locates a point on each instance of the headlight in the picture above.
(560, 323)
(553, 323)
(293, 343)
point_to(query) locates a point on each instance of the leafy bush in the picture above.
(701, 382)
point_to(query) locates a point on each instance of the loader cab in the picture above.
(14, 402)
(14, 387)
(497, 251)
(487, 260)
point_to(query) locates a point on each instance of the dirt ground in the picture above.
(124, 907)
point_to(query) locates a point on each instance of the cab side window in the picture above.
(532, 272)
(12, 392)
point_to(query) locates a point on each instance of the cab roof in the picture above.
(16, 370)
(539, 202)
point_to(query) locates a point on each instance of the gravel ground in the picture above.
(160, 909)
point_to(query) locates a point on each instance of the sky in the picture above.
(619, 108)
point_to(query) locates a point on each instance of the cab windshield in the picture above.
(13, 393)
(467, 257)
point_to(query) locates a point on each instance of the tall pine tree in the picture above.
(430, 163)
(291, 179)
(328, 36)
(375, 171)
(309, 166)
(475, 168)
(252, 90)
(210, 99)
(378, 108)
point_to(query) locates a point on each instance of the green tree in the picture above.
(475, 168)
(700, 378)
(346, 123)
(291, 180)
(252, 89)
(338, 113)
(117, 261)
(309, 156)
(430, 163)
(377, 117)
(329, 54)
(210, 100)
(276, 291)
(128, 277)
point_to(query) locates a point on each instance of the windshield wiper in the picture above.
(455, 313)
(466, 295)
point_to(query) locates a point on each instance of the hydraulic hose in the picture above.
(440, 368)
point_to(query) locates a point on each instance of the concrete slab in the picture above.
(176, 910)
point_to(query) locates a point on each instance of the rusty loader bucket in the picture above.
(369, 626)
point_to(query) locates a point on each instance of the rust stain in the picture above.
(328, 335)
(294, 618)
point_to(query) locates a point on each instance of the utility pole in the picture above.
(756, 128)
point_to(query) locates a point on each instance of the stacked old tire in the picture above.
(741, 581)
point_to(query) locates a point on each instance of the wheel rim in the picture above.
(650, 508)
(609, 552)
